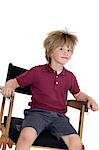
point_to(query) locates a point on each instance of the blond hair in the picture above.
(56, 39)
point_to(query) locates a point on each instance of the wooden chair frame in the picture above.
(6, 140)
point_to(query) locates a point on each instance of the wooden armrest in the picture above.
(77, 104)
(82, 106)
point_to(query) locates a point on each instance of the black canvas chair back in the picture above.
(14, 71)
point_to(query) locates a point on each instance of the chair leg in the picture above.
(4, 146)
(4, 142)
(10, 143)
(83, 148)
(5, 139)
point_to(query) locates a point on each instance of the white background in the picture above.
(24, 25)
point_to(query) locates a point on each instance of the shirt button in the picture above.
(56, 82)
(56, 76)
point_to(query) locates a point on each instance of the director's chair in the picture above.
(10, 126)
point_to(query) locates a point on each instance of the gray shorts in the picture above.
(58, 124)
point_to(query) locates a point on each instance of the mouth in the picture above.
(65, 57)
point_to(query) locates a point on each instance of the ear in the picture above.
(50, 54)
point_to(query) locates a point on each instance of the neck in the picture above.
(56, 67)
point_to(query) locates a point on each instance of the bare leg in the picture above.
(72, 141)
(26, 139)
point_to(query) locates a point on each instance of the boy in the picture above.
(50, 84)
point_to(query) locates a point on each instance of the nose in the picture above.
(66, 52)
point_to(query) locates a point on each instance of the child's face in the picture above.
(61, 55)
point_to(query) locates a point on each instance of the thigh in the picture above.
(34, 120)
(62, 126)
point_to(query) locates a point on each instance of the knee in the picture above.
(28, 134)
(75, 142)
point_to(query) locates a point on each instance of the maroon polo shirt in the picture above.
(49, 90)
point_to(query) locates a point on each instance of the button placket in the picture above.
(56, 80)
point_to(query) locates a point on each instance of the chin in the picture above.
(62, 62)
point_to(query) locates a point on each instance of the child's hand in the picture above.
(9, 88)
(92, 104)
(6, 91)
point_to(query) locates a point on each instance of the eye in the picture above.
(61, 49)
(70, 50)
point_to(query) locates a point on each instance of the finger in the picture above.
(1, 88)
(95, 107)
(13, 93)
(8, 93)
(90, 106)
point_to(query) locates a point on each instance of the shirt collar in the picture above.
(53, 71)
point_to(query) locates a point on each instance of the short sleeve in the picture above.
(74, 89)
(26, 78)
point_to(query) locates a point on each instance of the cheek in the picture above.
(58, 56)
(55, 54)
(69, 56)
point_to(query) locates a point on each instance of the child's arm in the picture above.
(84, 97)
(9, 88)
